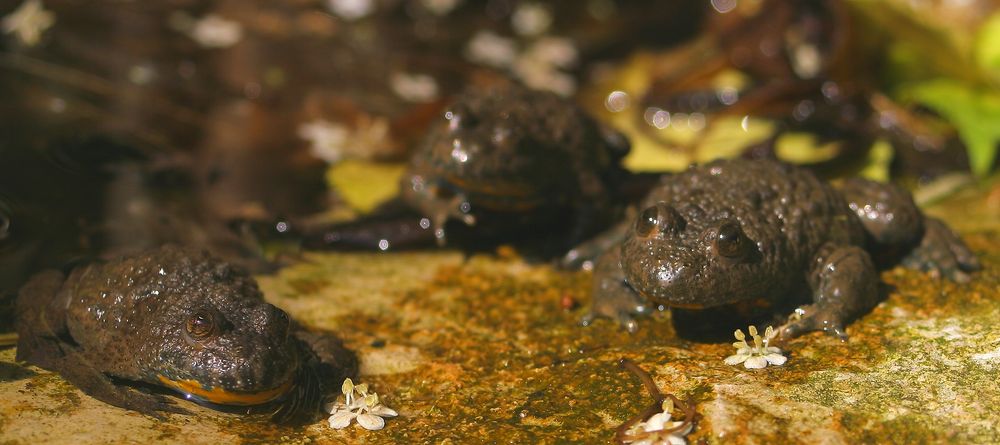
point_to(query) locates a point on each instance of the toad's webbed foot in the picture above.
(942, 253)
(845, 284)
(152, 405)
(327, 363)
(612, 297)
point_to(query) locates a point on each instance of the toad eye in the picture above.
(202, 324)
(660, 218)
(730, 241)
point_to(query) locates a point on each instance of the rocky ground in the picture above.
(485, 350)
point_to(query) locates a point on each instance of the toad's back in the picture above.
(787, 210)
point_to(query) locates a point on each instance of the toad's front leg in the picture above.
(844, 283)
(612, 296)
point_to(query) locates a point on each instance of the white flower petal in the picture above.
(756, 362)
(775, 359)
(213, 31)
(341, 419)
(491, 49)
(736, 359)
(772, 350)
(384, 411)
(371, 421)
(675, 439)
(351, 9)
(656, 422)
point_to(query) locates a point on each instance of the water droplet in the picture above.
(617, 101)
(696, 121)
(728, 95)
(724, 6)
(657, 117)
(458, 153)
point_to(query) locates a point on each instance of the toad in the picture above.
(750, 235)
(500, 163)
(175, 318)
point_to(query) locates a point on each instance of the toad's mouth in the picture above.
(195, 390)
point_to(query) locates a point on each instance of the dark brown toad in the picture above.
(502, 162)
(175, 318)
(751, 234)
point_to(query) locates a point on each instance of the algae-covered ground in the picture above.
(487, 349)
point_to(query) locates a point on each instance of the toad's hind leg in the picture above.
(43, 341)
(887, 212)
(844, 285)
(896, 225)
(82, 373)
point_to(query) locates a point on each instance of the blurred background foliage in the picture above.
(127, 124)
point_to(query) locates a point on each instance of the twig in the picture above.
(690, 416)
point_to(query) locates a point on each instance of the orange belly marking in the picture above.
(223, 397)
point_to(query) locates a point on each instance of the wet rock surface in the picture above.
(484, 349)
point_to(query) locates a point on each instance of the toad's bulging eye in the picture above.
(202, 324)
(660, 218)
(730, 241)
(647, 222)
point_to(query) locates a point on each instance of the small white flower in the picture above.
(653, 430)
(558, 51)
(491, 49)
(351, 9)
(759, 355)
(366, 409)
(530, 19)
(28, 22)
(541, 75)
(538, 66)
(213, 31)
(326, 139)
(414, 87)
